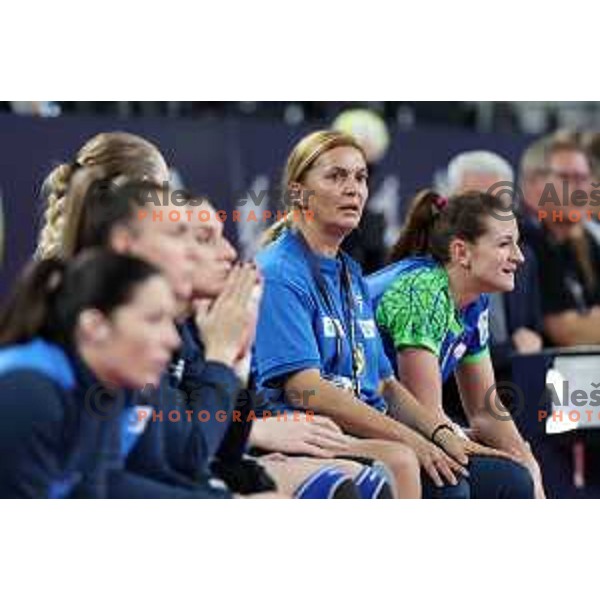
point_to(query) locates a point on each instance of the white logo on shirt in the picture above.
(329, 327)
(483, 324)
(460, 350)
(368, 328)
(358, 299)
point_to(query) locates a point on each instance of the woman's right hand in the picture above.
(313, 435)
(226, 325)
(441, 467)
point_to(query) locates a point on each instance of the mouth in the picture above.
(509, 271)
(352, 209)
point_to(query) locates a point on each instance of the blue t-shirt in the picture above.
(296, 330)
(414, 309)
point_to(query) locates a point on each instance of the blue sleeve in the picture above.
(285, 339)
(212, 387)
(31, 435)
(179, 442)
(477, 346)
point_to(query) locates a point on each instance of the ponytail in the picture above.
(96, 204)
(415, 238)
(54, 189)
(26, 313)
(116, 153)
(48, 298)
(276, 230)
(434, 221)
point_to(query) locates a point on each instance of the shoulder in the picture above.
(423, 284)
(39, 356)
(282, 260)
(28, 395)
(284, 269)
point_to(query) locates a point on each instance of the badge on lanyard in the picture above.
(360, 359)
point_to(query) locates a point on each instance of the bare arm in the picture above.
(356, 417)
(571, 328)
(353, 415)
(475, 380)
(419, 371)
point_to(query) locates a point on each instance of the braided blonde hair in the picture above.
(118, 153)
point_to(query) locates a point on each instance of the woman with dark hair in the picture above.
(432, 311)
(139, 218)
(76, 340)
(278, 442)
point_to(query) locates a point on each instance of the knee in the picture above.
(460, 491)
(519, 482)
(500, 478)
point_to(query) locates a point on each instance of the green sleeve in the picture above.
(415, 312)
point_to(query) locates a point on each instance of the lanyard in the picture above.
(356, 351)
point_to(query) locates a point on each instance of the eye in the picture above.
(204, 236)
(155, 317)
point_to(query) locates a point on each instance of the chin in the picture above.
(150, 379)
(505, 284)
(499, 285)
(348, 225)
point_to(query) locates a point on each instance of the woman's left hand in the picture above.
(461, 448)
(455, 445)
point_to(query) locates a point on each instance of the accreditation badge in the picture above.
(360, 359)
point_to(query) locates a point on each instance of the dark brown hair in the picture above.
(50, 294)
(97, 203)
(434, 221)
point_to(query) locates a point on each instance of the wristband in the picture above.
(438, 429)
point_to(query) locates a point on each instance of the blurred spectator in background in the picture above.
(557, 176)
(591, 144)
(515, 317)
(38, 108)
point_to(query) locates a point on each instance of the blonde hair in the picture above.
(300, 160)
(116, 153)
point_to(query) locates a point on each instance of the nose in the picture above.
(190, 253)
(171, 339)
(228, 252)
(518, 256)
(351, 187)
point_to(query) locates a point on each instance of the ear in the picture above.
(93, 326)
(296, 191)
(121, 239)
(460, 253)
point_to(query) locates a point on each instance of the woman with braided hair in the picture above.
(118, 153)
